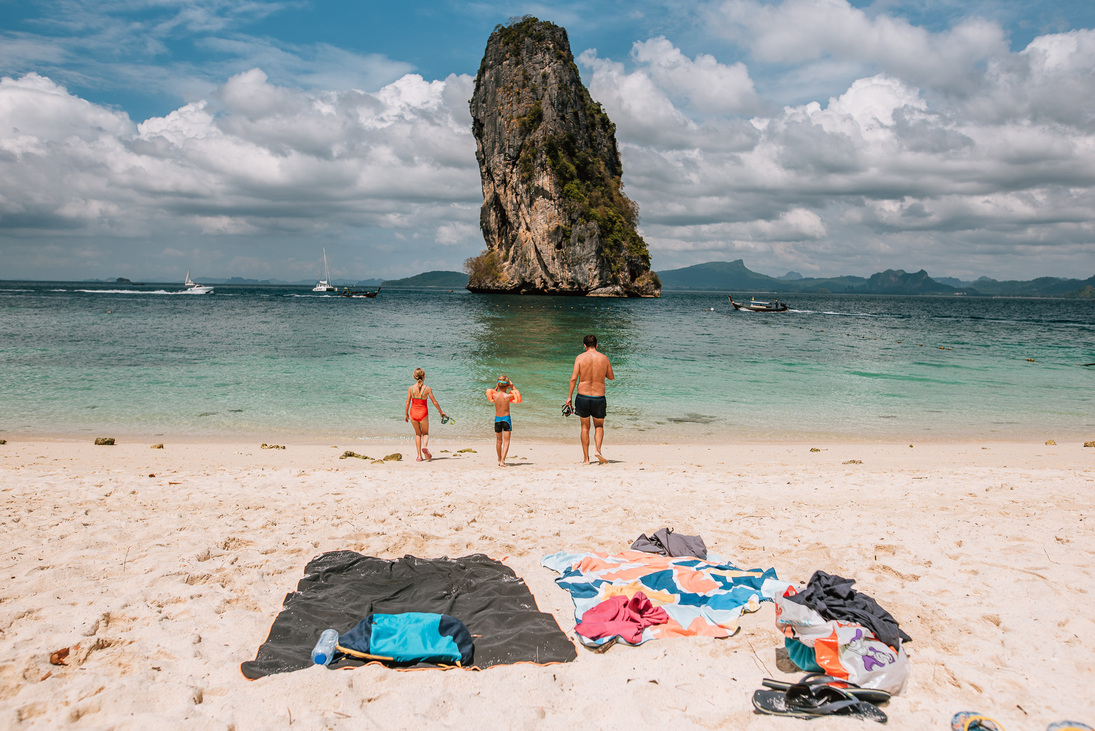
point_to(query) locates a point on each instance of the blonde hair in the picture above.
(419, 374)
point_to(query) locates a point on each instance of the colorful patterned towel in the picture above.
(701, 597)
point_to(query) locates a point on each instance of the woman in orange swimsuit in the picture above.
(418, 413)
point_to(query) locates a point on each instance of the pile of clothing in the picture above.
(831, 627)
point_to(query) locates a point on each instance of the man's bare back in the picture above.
(592, 368)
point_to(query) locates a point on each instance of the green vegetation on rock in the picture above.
(552, 176)
(483, 268)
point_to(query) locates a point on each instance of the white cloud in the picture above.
(272, 163)
(801, 31)
(636, 102)
(1050, 80)
(459, 232)
(639, 104)
(887, 173)
(707, 85)
(33, 107)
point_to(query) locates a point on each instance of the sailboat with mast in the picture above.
(324, 284)
(192, 287)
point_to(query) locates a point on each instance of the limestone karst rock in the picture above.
(554, 216)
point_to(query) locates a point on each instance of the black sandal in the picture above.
(876, 696)
(802, 700)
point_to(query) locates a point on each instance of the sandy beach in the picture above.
(163, 569)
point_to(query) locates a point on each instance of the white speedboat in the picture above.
(192, 287)
(324, 284)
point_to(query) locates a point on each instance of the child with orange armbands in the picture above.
(502, 396)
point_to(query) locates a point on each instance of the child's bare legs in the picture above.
(502, 444)
(426, 438)
(418, 438)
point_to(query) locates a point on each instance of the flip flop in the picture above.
(1069, 726)
(427, 453)
(972, 721)
(805, 701)
(876, 696)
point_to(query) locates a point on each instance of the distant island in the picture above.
(440, 280)
(733, 276)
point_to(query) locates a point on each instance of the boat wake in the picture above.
(834, 313)
(122, 291)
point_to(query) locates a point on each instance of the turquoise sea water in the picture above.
(281, 363)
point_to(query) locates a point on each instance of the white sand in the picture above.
(164, 569)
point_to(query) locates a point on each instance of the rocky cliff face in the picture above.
(554, 217)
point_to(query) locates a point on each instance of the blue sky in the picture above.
(143, 138)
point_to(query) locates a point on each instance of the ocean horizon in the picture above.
(279, 362)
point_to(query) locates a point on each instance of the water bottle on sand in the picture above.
(324, 651)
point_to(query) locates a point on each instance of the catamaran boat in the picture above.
(192, 287)
(324, 284)
(755, 305)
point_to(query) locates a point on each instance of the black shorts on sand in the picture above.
(586, 406)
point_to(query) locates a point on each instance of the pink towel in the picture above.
(621, 616)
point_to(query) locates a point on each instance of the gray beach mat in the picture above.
(341, 587)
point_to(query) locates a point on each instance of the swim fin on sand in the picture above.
(971, 721)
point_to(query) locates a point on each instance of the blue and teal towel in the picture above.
(410, 637)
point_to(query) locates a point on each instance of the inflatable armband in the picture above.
(516, 395)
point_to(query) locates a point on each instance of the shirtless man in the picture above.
(591, 368)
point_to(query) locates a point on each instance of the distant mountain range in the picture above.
(733, 276)
(441, 280)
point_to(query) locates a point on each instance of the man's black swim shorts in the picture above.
(586, 406)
